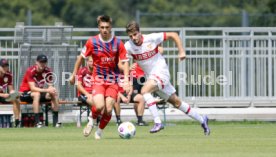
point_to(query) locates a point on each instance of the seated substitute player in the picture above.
(6, 84)
(117, 108)
(144, 49)
(84, 85)
(137, 75)
(32, 89)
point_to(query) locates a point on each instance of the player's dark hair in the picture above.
(104, 18)
(132, 26)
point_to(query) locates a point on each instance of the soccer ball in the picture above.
(126, 130)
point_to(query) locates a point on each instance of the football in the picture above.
(126, 130)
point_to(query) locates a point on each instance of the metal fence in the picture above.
(230, 65)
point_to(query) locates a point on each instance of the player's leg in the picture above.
(149, 87)
(117, 110)
(55, 105)
(138, 100)
(139, 108)
(36, 106)
(16, 112)
(111, 95)
(96, 108)
(186, 108)
(99, 100)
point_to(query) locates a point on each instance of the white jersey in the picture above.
(147, 55)
(151, 61)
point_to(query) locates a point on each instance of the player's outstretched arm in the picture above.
(176, 38)
(76, 68)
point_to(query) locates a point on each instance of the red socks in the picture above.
(105, 120)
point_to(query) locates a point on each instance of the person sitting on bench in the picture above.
(84, 85)
(6, 80)
(32, 89)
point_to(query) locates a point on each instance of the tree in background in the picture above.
(154, 13)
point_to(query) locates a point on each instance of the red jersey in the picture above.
(85, 77)
(137, 71)
(38, 78)
(106, 55)
(5, 81)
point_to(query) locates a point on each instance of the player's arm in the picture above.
(11, 89)
(36, 89)
(4, 95)
(160, 49)
(76, 68)
(123, 98)
(174, 36)
(125, 67)
(81, 88)
(124, 63)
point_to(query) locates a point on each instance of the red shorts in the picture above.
(108, 90)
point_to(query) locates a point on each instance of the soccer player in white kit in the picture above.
(144, 49)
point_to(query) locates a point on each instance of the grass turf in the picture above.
(180, 139)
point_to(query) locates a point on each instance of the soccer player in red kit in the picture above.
(107, 51)
(32, 89)
(6, 84)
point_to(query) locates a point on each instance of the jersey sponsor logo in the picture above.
(106, 60)
(145, 55)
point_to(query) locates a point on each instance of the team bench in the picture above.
(82, 107)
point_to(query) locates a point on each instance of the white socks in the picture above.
(185, 107)
(99, 131)
(150, 101)
(90, 121)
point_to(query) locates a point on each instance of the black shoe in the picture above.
(17, 124)
(142, 123)
(119, 122)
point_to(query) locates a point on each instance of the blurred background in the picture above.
(150, 13)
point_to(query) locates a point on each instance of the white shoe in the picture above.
(98, 136)
(58, 125)
(39, 125)
(88, 128)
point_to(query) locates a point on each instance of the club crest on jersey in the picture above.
(114, 48)
(93, 91)
(6, 79)
(149, 46)
(44, 75)
(100, 48)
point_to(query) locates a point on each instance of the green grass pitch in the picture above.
(179, 139)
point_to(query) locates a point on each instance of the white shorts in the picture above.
(166, 89)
